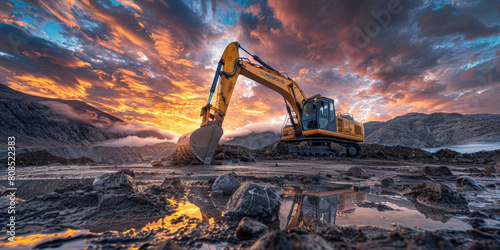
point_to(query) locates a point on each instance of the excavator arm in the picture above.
(201, 143)
(233, 66)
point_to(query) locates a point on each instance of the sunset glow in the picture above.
(153, 61)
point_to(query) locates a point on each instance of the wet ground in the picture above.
(322, 204)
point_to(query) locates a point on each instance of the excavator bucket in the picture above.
(200, 144)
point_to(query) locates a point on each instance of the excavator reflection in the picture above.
(318, 206)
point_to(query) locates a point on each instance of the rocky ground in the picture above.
(389, 198)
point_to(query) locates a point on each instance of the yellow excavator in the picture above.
(313, 128)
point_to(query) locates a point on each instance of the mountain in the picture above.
(73, 129)
(434, 130)
(44, 122)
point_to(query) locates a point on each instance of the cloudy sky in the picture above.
(153, 61)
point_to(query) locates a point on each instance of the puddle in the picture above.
(344, 206)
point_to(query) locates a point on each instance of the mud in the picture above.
(174, 206)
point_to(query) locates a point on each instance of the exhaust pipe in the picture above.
(200, 144)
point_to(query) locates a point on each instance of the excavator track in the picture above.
(317, 146)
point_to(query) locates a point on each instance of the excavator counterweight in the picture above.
(315, 126)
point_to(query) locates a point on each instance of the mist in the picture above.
(252, 128)
(469, 148)
(133, 141)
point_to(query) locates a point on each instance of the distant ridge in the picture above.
(434, 130)
(39, 122)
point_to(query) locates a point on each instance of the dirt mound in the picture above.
(43, 157)
(223, 152)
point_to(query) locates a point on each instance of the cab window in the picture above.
(309, 116)
(323, 114)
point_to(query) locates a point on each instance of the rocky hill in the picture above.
(434, 130)
(71, 129)
(43, 122)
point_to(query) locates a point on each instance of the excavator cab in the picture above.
(319, 113)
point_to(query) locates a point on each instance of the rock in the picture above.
(254, 201)
(226, 184)
(386, 182)
(289, 240)
(465, 160)
(249, 229)
(170, 188)
(446, 154)
(358, 172)
(437, 171)
(438, 196)
(469, 183)
(128, 172)
(220, 156)
(497, 167)
(156, 163)
(118, 180)
(337, 148)
(235, 161)
(489, 170)
(247, 157)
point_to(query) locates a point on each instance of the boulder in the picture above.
(254, 201)
(468, 183)
(489, 170)
(249, 229)
(358, 172)
(290, 240)
(437, 171)
(247, 157)
(118, 180)
(386, 182)
(438, 196)
(226, 184)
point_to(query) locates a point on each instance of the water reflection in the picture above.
(318, 206)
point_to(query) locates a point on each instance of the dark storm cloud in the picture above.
(446, 21)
